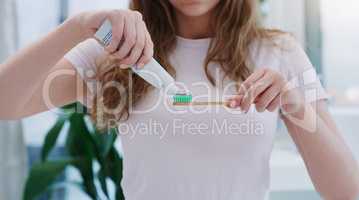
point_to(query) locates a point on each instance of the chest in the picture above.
(155, 125)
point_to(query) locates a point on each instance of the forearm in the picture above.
(329, 161)
(23, 73)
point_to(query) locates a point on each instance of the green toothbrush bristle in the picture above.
(182, 98)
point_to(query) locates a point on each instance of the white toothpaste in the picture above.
(152, 72)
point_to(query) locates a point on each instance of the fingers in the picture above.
(235, 102)
(139, 46)
(129, 39)
(147, 52)
(263, 88)
(274, 104)
(135, 46)
(267, 98)
(255, 90)
(251, 80)
(118, 23)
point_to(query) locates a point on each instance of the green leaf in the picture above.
(102, 179)
(51, 138)
(111, 168)
(85, 168)
(105, 141)
(74, 108)
(79, 141)
(119, 193)
(69, 106)
(80, 144)
(42, 175)
(114, 166)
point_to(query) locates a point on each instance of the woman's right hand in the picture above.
(131, 42)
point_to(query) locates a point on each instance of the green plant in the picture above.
(85, 146)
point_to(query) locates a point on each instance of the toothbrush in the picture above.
(186, 100)
(152, 72)
(155, 74)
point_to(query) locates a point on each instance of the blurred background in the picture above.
(327, 29)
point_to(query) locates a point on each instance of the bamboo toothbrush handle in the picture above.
(202, 103)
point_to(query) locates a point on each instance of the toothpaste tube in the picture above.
(152, 72)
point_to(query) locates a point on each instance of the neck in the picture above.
(194, 27)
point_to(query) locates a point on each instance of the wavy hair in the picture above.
(236, 26)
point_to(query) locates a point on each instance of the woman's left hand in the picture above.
(263, 88)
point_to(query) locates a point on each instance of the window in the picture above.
(341, 50)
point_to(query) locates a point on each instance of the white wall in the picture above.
(36, 18)
(83, 5)
(287, 15)
(340, 21)
(13, 159)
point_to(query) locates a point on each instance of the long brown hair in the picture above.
(236, 26)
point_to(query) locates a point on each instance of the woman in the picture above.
(189, 153)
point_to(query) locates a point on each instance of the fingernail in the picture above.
(123, 66)
(140, 65)
(108, 49)
(233, 104)
(243, 109)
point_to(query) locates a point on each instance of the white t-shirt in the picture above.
(206, 152)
